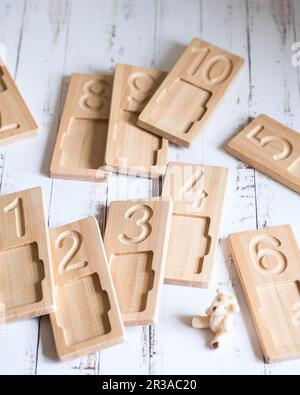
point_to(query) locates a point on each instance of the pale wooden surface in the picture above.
(92, 36)
(267, 261)
(88, 317)
(81, 139)
(136, 242)
(198, 193)
(16, 122)
(130, 149)
(270, 147)
(26, 272)
(191, 92)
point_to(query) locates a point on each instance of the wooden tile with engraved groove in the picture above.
(191, 92)
(268, 263)
(131, 149)
(81, 140)
(88, 317)
(271, 148)
(136, 241)
(198, 193)
(26, 273)
(16, 121)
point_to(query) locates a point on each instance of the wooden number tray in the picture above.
(270, 147)
(136, 241)
(81, 141)
(130, 149)
(198, 193)
(190, 93)
(16, 121)
(26, 276)
(87, 317)
(268, 262)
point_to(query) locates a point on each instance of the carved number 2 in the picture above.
(17, 207)
(143, 223)
(65, 264)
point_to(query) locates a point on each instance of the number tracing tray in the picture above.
(267, 261)
(190, 93)
(136, 241)
(81, 140)
(88, 317)
(16, 122)
(26, 276)
(270, 147)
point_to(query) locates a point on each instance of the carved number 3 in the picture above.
(65, 264)
(143, 223)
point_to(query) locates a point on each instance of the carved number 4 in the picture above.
(66, 264)
(197, 196)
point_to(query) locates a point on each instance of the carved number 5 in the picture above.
(65, 264)
(287, 147)
(143, 223)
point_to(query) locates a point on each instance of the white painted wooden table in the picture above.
(47, 40)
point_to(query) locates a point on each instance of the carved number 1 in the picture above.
(17, 207)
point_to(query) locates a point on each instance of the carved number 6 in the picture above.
(65, 264)
(268, 260)
(143, 223)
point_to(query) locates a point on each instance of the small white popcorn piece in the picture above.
(219, 317)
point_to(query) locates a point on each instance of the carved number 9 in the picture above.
(143, 224)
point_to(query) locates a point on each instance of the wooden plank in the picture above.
(198, 193)
(270, 147)
(88, 317)
(136, 241)
(16, 122)
(26, 274)
(130, 149)
(191, 92)
(80, 145)
(268, 264)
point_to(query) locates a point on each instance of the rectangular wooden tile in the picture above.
(191, 92)
(198, 194)
(268, 262)
(131, 149)
(81, 140)
(271, 148)
(26, 274)
(16, 121)
(88, 317)
(136, 241)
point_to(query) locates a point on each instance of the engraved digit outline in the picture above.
(258, 253)
(65, 264)
(296, 314)
(199, 195)
(143, 223)
(102, 95)
(208, 66)
(17, 207)
(139, 95)
(287, 147)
